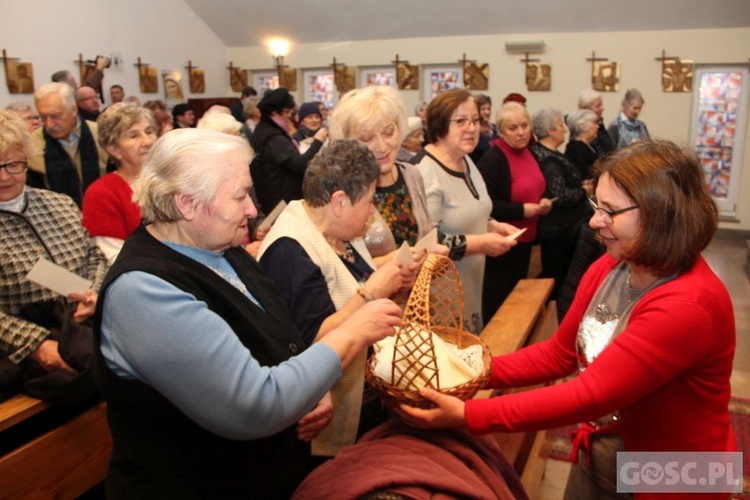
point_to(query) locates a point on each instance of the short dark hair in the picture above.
(180, 109)
(276, 101)
(116, 86)
(60, 76)
(345, 165)
(440, 111)
(678, 218)
(248, 91)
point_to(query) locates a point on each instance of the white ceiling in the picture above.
(242, 23)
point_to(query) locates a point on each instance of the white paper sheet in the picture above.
(403, 255)
(515, 235)
(429, 242)
(56, 278)
(271, 217)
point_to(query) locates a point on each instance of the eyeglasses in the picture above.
(464, 122)
(609, 215)
(14, 167)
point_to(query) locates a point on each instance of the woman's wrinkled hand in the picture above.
(386, 280)
(501, 228)
(545, 205)
(48, 357)
(310, 426)
(495, 244)
(86, 305)
(448, 414)
(373, 321)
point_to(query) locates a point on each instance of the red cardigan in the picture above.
(667, 372)
(108, 209)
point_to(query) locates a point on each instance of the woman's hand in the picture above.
(531, 210)
(252, 248)
(372, 322)
(86, 305)
(448, 414)
(441, 250)
(545, 205)
(386, 281)
(321, 135)
(48, 357)
(494, 244)
(259, 233)
(501, 228)
(318, 419)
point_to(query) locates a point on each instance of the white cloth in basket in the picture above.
(455, 366)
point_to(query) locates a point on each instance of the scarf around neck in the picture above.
(62, 174)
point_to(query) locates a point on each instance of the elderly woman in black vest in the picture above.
(278, 168)
(558, 230)
(201, 366)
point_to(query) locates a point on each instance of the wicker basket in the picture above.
(435, 305)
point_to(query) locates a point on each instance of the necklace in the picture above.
(348, 253)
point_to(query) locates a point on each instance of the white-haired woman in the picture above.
(126, 132)
(584, 126)
(191, 328)
(558, 230)
(592, 100)
(627, 128)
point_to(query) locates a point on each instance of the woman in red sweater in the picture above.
(127, 132)
(650, 333)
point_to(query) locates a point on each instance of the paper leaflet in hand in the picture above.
(429, 242)
(515, 235)
(403, 256)
(58, 279)
(271, 217)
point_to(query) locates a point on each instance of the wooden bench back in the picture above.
(523, 318)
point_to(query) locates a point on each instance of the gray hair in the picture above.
(188, 161)
(65, 91)
(587, 97)
(580, 121)
(62, 76)
(421, 105)
(545, 120)
(507, 109)
(19, 106)
(633, 95)
(345, 165)
(117, 119)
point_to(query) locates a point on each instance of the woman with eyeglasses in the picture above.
(457, 199)
(516, 187)
(38, 223)
(650, 334)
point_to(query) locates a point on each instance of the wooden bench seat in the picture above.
(524, 318)
(61, 462)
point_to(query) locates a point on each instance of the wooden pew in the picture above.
(62, 462)
(524, 318)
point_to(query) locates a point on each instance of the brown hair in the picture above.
(440, 111)
(677, 216)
